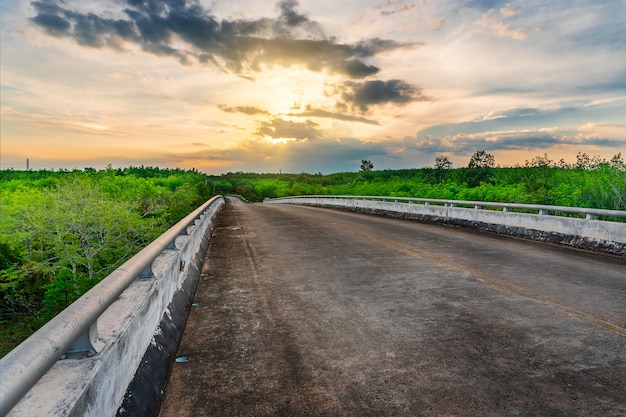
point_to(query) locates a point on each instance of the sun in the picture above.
(287, 91)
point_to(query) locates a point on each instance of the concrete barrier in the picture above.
(125, 368)
(585, 233)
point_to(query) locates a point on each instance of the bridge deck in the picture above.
(308, 311)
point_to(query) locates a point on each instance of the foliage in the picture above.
(482, 159)
(539, 181)
(443, 162)
(63, 231)
(366, 165)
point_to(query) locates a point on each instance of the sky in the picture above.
(308, 85)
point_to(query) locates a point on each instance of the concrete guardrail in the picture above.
(117, 341)
(538, 222)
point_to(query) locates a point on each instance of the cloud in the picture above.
(290, 16)
(401, 8)
(467, 143)
(362, 95)
(509, 11)
(186, 31)
(311, 112)
(54, 25)
(528, 128)
(249, 110)
(279, 128)
(567, 115)
(484, 4)
(501, 29)
(323, 155)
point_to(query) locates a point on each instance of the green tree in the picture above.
(63, 231)
(584, 161)
(366, 165)
(482, 159)
(82, 231)
(443, 162)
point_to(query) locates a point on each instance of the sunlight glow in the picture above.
(279, 141)
(93, 126)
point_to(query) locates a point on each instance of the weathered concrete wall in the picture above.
(138, 334)
(597, 235)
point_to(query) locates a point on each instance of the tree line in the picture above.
(586, 182)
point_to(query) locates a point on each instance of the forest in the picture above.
(63, 231)
(587, 182)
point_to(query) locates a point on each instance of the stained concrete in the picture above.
(311, 312)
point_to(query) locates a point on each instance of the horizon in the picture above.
(270, 87)
(541, 160)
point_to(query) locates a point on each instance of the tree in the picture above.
(584, 161)
(366, 165)
(63, 231)
(482, 159)
(84, 232)
(618, 162)
(540, 161)
(443, 162)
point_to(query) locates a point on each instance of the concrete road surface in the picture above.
(314, 312)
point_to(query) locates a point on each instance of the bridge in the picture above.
(302, 310)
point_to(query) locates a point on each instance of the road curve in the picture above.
(314, 312)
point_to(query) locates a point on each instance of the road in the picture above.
(314, 312)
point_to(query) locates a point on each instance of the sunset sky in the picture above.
(309, 86)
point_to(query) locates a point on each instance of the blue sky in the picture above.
(309, 86)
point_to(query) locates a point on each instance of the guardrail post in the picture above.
(477, 207)
(147, 272)
(543, 212)
(83, 347)
(590, 216)
(505, 209)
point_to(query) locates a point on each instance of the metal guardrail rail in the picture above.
(590, 213)
(73, 329)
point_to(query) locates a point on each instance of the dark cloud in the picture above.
(280, 128)
(53, 24)
(307, 112)
(241, 46)
(361, 95)
(358, 69)
(324, 155)
(249, 110)
(528, 118)
(311, 112)
(465, 144)
(289, 13)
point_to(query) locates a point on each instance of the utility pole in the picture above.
(27, 165)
